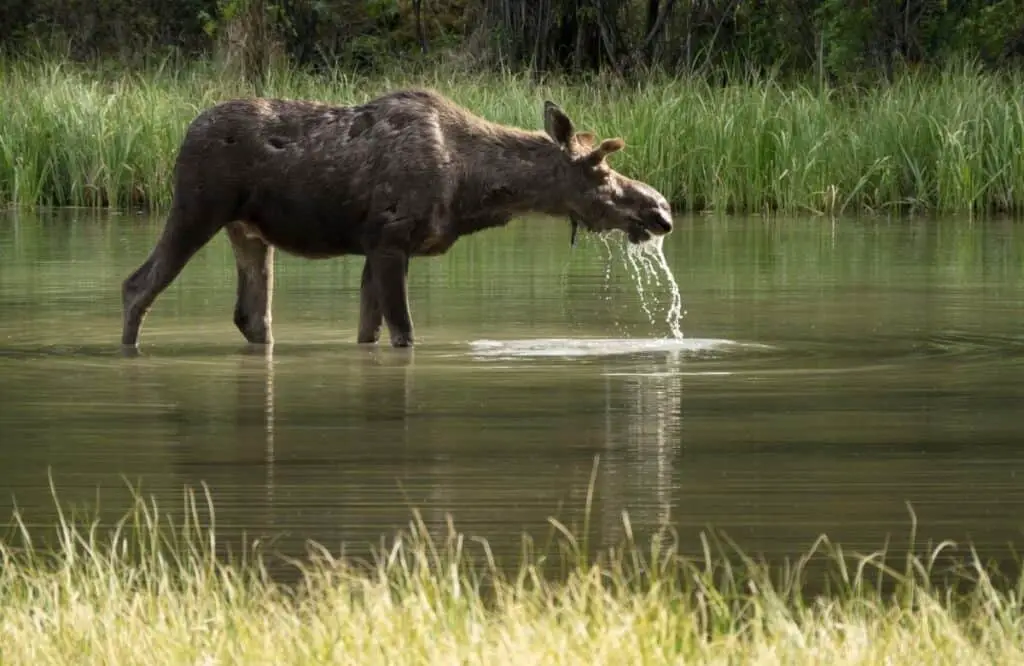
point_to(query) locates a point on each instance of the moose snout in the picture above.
(658, 221)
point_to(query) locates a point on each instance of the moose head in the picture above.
(599, 198)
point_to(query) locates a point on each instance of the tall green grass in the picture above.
(942, 142)
(149, 592)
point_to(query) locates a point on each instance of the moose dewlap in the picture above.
(403, 175)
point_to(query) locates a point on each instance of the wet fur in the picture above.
(403, 175)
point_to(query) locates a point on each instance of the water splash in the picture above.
(638, 264)
(647, 262)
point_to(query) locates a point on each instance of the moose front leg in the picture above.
(388, 269)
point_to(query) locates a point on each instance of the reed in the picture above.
(147, 590)
(947, 142)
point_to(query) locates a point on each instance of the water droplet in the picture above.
(647, 260)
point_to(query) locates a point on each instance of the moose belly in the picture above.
(305, 231)
(309, 242)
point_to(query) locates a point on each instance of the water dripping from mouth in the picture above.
(646, 263)
(656, 250)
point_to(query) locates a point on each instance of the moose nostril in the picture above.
(659, 220)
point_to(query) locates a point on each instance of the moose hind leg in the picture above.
(180, 240)
(370, 316)
(254, 260)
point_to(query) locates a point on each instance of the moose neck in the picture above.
(516, 173)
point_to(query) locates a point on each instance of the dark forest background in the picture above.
(835, 39)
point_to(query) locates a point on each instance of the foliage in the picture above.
(833, 39)
(948, 141)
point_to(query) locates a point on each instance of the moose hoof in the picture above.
(368, 338)
(401, 340)
(258, 335)
(130, 351)
(256, 330)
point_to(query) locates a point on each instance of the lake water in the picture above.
(830, 375)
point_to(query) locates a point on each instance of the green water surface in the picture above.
(830, 374)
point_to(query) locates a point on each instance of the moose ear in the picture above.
(585, 140)
(607, 147)
(557, 124)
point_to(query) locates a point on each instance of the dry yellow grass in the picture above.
(141, 593)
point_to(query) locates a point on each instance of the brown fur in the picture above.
(403, 175)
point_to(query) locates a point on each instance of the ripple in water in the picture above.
(647, 263)
(577, 347)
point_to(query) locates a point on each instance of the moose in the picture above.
(403, 175)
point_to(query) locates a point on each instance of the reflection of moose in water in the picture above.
(283, 461)
(400, 176)
(641, 464)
